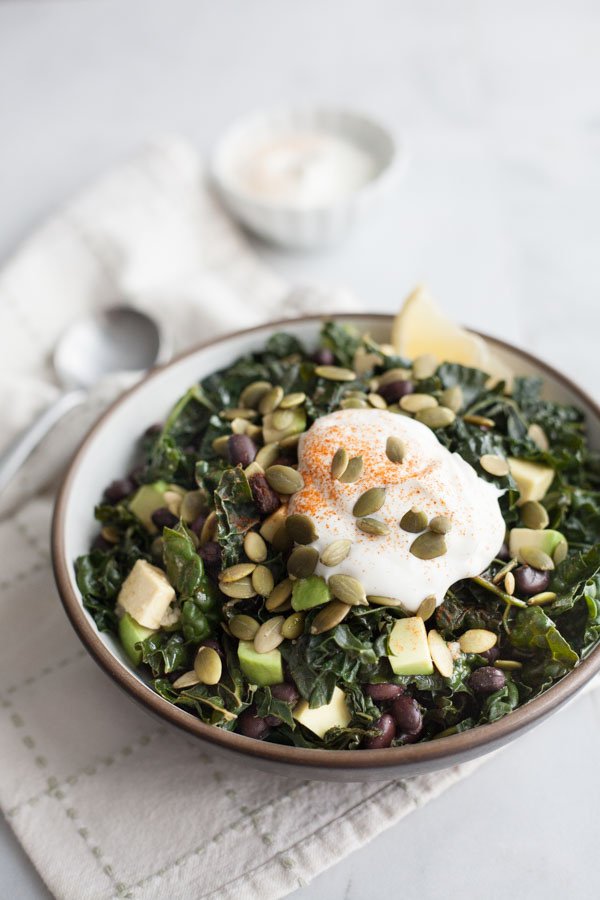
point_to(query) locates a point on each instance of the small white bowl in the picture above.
(291, 225)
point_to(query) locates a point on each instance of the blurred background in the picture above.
(497, 211)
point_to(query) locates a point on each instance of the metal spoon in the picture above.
(115, 340)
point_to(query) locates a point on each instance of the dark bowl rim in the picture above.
(409, 756)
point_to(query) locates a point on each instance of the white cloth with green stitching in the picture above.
(108, 802)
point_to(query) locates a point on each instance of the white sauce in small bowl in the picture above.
(430, 478)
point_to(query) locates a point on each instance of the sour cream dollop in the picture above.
(430, 478)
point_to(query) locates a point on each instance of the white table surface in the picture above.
(498, 213)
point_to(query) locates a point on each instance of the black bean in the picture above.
(198, 524)
(408, 738)
(273, 721)
(153, 430)
(241, 449)
(487, 680)
(503, 553)
(264, 496)
(101, 543)
(407, 714)
(491, 655)
(164, 518)
(211, 554)
(387, 728)
(286, 692)
(135, 473)
(531, 581)
(392, 392)
(323, 357)
(119, 489)
(379, 692)
(251, 725)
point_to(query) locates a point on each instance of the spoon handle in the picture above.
(13, 458)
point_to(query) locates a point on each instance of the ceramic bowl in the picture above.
(315, 226)
(109, 451)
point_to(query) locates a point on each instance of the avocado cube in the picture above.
(533, 479)
(408, 648)
(146, 500)
(130, 633)
(545, 539)
(146, 594)
(309, 592)
(260, 668)
(334, 714)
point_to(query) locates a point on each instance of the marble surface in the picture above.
(498, 213)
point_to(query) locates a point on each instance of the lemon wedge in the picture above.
(421, 327)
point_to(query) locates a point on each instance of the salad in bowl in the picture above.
(345, 546)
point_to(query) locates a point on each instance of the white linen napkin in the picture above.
(108, 802)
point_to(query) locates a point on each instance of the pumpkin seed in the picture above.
(534, 515)
(512, 564)
(509, 665)
(441, 524)
(193, 505)
(330, 616)
(110, 534)
(291, 400)
(339, 463)
(271, 400)
(302, 562)
(369, 502)
(253, 393)
(284, 479)
(452, 397)
(269, 635)
(335, 373)
(279, 595)
(219, 445)
(415, 402)
(427, 607)
(282, 419)
(353, 470)
(494, 465)
(240, 426)
(188, 679)
(348, 589)
(377, 401)
(376, 600)
(243, 627)
(391, 375)
(209, 529)
(208, 666)
(373, 526)
(536, 558)
(281, 539)
(354, 403)
(394, 408)
(425, 366)
(560, 552)
(415, 520)
(267, 455)
(173, 502)
(440, 654)
(395, 449)
(238, 590)
(509, 583)
(255, 547)
(428, 545)
(290, 440)
(293, 626)
(479, 420)
(234, 573)
(541, 599)
(477, 640)
(253, 469)
(335, 553)
(262, 581)
(537, 434)
(438, 417)
(363, 362)
(301, 528)
(238, 413)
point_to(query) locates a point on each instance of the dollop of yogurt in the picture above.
(430, 478)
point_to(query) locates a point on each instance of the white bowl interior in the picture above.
(111, 452)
